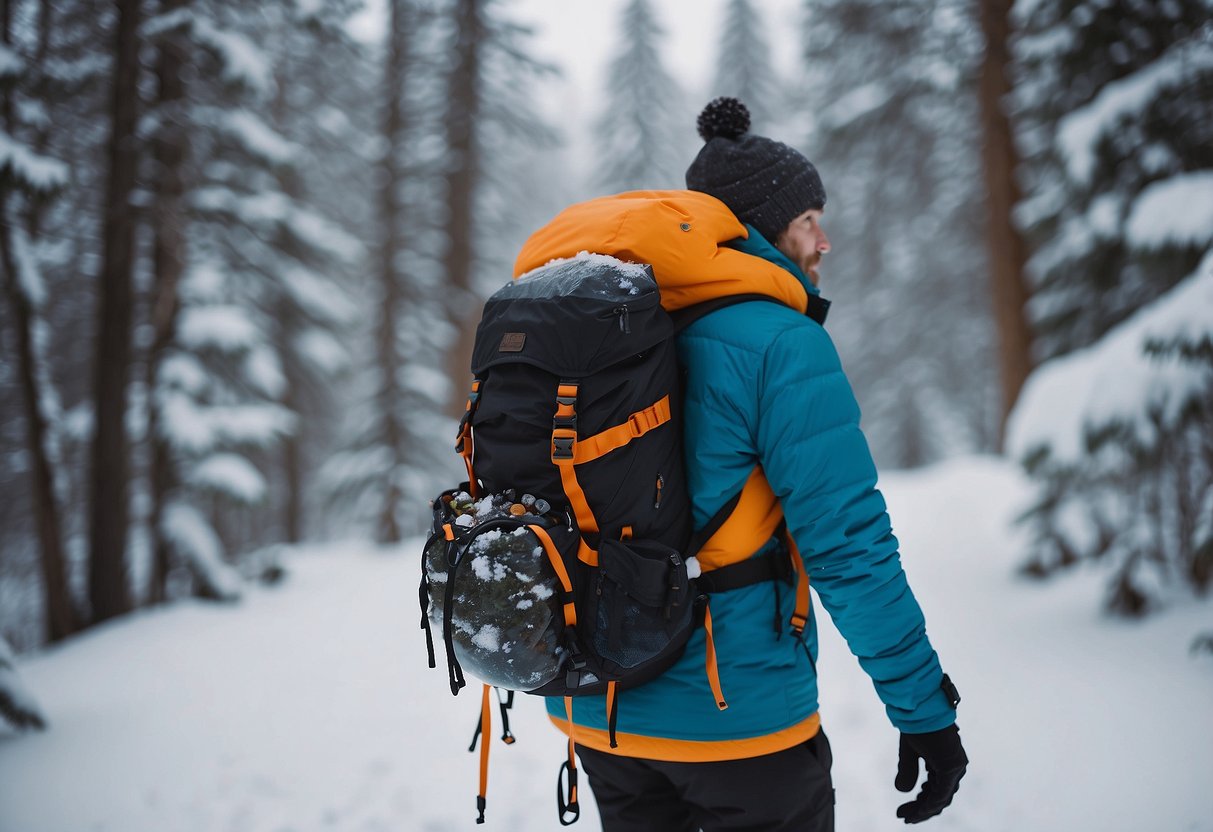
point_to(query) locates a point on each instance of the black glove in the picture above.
(946, 763)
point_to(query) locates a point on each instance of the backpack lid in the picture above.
(682, 234)
(572, 317)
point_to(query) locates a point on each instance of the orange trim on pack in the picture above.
(751, 524)
(567, 410)
(585, 554)
(570, 611)
(586, 522)
(710, 660)
(692, 751)
(486, 729)
(637, 425)
(680, 233)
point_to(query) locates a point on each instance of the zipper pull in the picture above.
(660, 485)
(622, 312)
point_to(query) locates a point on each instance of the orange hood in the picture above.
(681, 234)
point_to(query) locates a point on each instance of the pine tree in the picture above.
(108, 590)
(644, 136)
(1115, 110)
(311, 306)
(26, 179)
(63, 101)
(1007, 251)
(242, 286)
(896, 138)
(398, 439)
(487, 108)
(743, 66)
(1109, 98)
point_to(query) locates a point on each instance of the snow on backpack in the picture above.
(565, 565)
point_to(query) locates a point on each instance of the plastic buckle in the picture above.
(950, 691)
(562, 447)
(572, 677)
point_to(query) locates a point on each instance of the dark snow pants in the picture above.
(781, 792)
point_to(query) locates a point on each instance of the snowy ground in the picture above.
(308, 707)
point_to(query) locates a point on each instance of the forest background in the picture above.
(245, 245)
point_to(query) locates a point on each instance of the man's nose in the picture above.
(823, 242)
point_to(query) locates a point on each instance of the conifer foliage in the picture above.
(644, 135)
(743, 65)
(889, 89)
(1115, 107)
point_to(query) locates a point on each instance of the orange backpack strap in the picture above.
(735, 533)
(637, 425)
(483, 725)
(564, 452)
(566, 584)
(486, 723)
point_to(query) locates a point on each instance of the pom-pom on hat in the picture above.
(764, 182)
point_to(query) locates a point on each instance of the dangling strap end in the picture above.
(612, 712)
(710, 660)
(568, 807)
(481, 802)
(507, 736)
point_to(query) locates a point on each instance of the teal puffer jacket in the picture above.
(764, 386)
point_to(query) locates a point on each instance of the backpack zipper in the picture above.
(622, 312)
(660, 485)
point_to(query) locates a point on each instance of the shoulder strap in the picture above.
(819, 307)
(713, 525)
(690, 314)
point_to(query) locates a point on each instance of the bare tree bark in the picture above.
(391, 179)
(108, 590)
(61, 617)
(171, 152)
(463, 103)
(1006, 246)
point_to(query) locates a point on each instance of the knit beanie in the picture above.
(764, 183)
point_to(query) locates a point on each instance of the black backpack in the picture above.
(560, 568)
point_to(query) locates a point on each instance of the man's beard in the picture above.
(809, 267)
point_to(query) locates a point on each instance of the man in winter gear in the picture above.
(768, 415)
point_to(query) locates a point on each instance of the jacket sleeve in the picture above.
(818, 464)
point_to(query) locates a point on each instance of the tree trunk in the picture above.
(61, 618)
(463, 103)
(294, 398)
(108, 590)
(1006, 247)
(389, 278)
(171, 152)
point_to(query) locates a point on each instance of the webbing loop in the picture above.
(568, 807)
